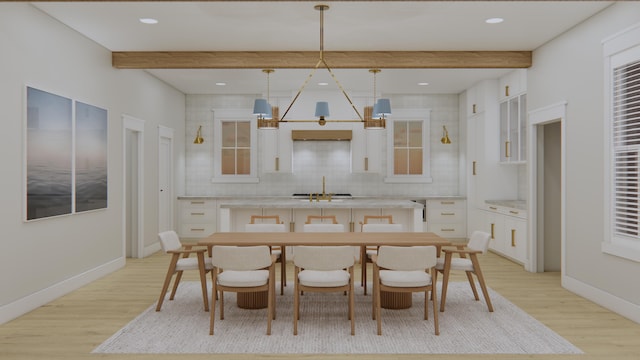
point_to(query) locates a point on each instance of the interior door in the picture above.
(165, 183)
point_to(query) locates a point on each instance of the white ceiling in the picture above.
(348, 25)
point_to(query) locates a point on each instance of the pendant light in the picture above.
(373, 120)
(263, 110)
(324, 107)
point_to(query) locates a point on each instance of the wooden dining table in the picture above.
(387, 300)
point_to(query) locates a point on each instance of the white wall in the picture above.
(571, 68)
(43, 259)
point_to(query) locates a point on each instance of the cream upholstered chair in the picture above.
(180, 261)
(326, 223)
(257, 224)
(478, 244)
(322, 269)
(243, 269)
(367, 251)
(405, 269)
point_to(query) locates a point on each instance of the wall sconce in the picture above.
(445, 136)
(199, 139)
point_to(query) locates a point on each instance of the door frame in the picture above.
(537, 118)
(137, 126)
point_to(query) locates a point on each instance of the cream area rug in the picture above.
(466, 327)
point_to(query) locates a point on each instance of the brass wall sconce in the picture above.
(199, 139)
(445, 136)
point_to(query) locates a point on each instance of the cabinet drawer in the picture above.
(454, 230)
(197, 230)
(198, 215)
(445, 215)
(445, 204)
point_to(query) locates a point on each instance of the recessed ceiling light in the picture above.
(221, 83)
(423, 83)
(148, 21)
(323, 83)
(495, 20)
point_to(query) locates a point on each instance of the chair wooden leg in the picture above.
(283, 270)
(221, 305)
(212, 313)
(379, 321)
(483, 286)
(167, 280)
(270, 294)
(203, 281)
(296, 306)
(175, 285)
(435, 310)
(426, 304)
(445, 279)
(352, 305)
(363, 265)
(473, 285)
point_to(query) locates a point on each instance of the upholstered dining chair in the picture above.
(180, 261)
(258, 224)
(374, 223)
(243, 269)
(478, 244)
(322, 269)
(405, 269)
(325, 223)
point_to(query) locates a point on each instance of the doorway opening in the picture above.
(133, 205)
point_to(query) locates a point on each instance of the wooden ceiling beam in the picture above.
(308, 59)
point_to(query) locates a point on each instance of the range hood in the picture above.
(326, 135)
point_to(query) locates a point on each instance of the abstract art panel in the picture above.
(49, 154)
(90, 158)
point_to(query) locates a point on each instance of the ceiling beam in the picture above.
(309, 59)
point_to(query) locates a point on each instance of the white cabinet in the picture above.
(275, 149)
(447, 217)
(197, 218)
(486, 178)
(513, 129)
(508, 229)
(366, 154)
(512, 84)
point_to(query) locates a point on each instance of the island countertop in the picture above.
(283, 202)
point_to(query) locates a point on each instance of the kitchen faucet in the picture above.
(323, 196)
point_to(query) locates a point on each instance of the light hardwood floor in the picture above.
(71, 327)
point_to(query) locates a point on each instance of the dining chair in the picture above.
(243, 269)
(325, 223)
(405, 269)
(180, 261)
(478, 244)
(374, 223)
(323, 269)
(258, 224)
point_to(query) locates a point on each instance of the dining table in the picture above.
(359, 239)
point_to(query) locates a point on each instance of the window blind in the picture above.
(626, 147)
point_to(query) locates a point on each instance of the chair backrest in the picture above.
(382, 228)
(323, 228)
(323, 257)
(407, 258)
(262, 218)
(265, 228)
(368, 219)
(169, 240)
(241, 257)
(479, 240)
(321, 219)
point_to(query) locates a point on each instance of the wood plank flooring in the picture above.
(71, 327)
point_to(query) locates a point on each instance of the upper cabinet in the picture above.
(513, 117)
(275, 150)
(512, 84)
(366, 153)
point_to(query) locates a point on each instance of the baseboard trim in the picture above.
(617, 305)
(30, 302)
(152, 249)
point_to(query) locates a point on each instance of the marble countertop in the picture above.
(515, 204)
(288, 202)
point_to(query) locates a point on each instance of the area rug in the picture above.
(466, 327)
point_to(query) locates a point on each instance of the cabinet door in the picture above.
(522, 155)
(504, 130)
(516, 238)
(494, 224)
(513, 148)
(366, 154)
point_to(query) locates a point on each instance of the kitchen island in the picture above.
(233, 214)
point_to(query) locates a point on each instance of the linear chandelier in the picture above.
(379, 111)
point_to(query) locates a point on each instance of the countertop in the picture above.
(283, 202)
(515, 204)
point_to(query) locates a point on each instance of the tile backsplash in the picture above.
(314, 159)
